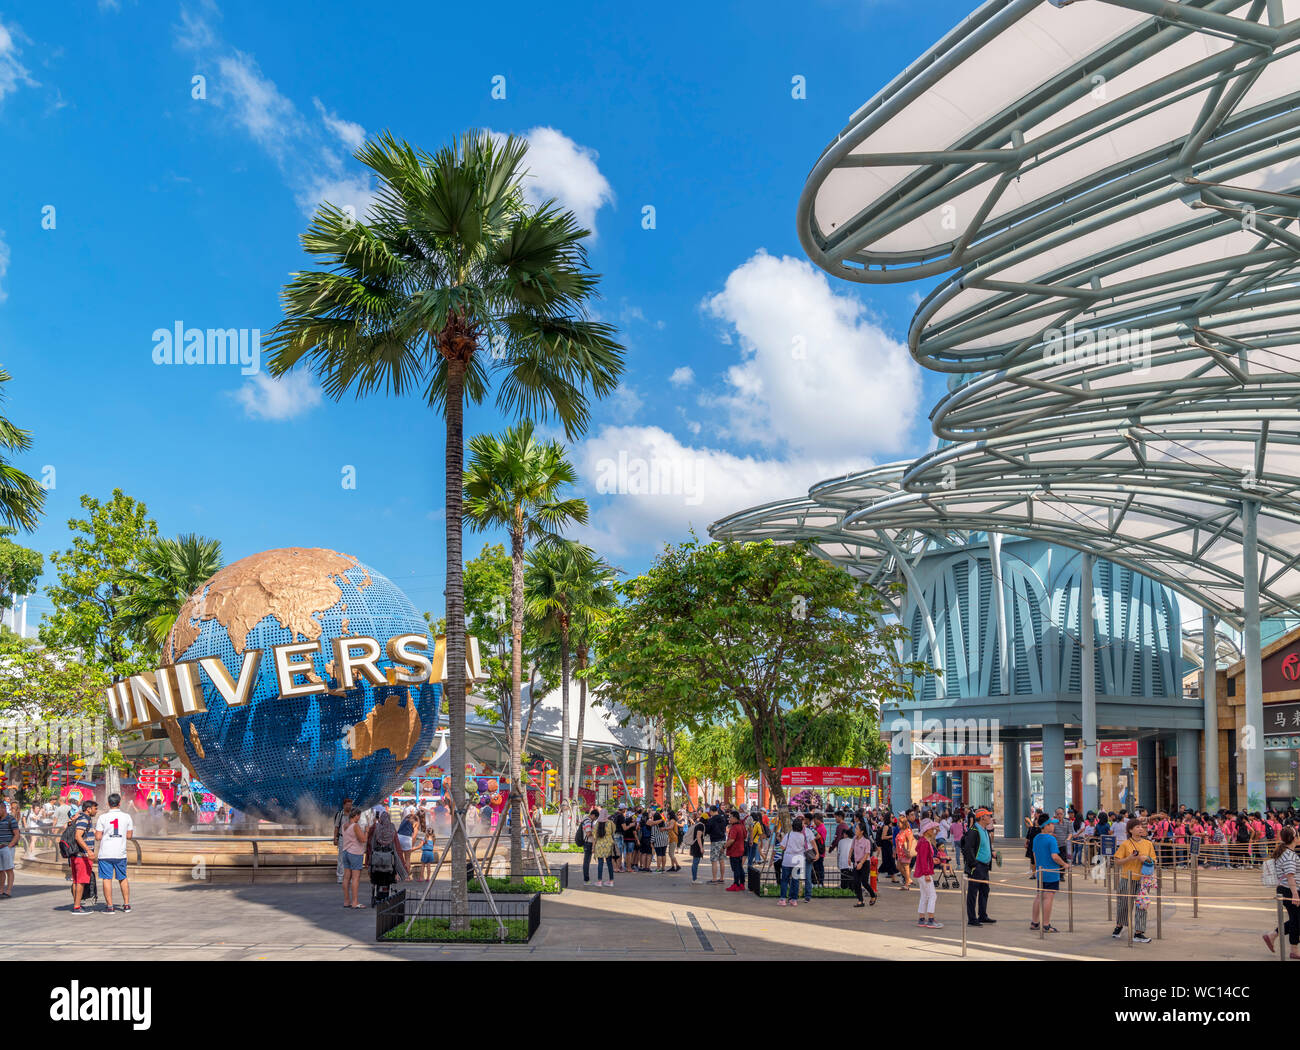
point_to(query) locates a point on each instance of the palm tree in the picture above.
(450, 261)
(513, 482)
(22, 497)
(169, 571)
(592, 604)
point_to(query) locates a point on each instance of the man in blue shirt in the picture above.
(977, 853)
(1050, 864)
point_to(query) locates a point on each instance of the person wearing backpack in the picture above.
(1286, 868)
(605, 839)
(79, 843)
(582, 837)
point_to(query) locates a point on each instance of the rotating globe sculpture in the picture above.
(293, 759)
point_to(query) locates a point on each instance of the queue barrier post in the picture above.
(1281, 933)
(1042, 922)
(1069, 894)
(1110, 889)
(1159, 909)
(962, 880)
(1196, 899)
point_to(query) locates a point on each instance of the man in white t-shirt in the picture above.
(113, 830)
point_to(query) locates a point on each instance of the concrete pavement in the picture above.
(647, 916)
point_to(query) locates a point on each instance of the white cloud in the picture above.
(346, 131)
(561, 169)
(278, 399)
(343, 191)
(819, 387)
(646, 487)
(304, 151)
(626, 401)
(4, 266)
(817, 376)
(13, 74)
(258, 107)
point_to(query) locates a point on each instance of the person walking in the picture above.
(343, 814)
(1134, 858)
(736, 849)
(1285, 866)
(1050, 863)
(794, 846)
(604, 847)
(924, 872)
(113, 830)
(860, 858)
(352, 853)
(9, 835)
(977, 855)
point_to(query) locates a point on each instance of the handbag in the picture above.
(1268, 874)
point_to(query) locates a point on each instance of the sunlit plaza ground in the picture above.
(647, 916)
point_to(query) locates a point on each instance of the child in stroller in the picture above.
(943, 866)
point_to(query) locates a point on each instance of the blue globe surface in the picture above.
(296, 758)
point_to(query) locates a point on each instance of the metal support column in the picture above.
(1252, 737)
(1189, 769)
(1013, 814)
(1088, 687)
(1210, 705)
(1053, 767)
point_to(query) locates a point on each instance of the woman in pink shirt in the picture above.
(923, 870)
(860, 858)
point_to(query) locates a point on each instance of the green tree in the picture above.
(108, 543)
(593, 603)
(765, 634)
(515, 482)
(40, 684)
(452, 277)
(169, 571)
(558, 578)
(709, 753)
(22, 498)
(20, 568)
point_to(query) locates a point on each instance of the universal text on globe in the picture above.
(175, 690)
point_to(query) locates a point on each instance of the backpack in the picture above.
(579, 836)
(383, 861)
(1243, 831)
(68, 847)
(1268, 830)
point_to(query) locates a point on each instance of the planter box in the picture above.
(430, 920)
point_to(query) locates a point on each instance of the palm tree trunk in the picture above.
(582, 719)
(455, 680)
(516, 698)
(564, 728)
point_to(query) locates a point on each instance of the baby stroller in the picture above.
(948, 879)
(383, 862)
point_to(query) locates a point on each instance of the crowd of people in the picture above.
(856, 847)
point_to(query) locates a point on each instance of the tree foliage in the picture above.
(20, 568)
(88, 594)
(773, 637)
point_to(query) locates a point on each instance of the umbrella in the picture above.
(936, 797)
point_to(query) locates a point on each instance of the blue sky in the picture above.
(169, 208)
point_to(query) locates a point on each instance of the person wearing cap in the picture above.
(923, 870)
(1050, 864)
(977, 855)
